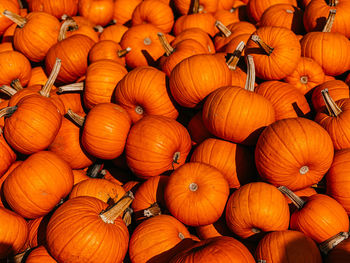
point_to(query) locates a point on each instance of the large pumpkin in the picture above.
(57, 8)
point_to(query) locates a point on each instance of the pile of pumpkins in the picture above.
(174, 131)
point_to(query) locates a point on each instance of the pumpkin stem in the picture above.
(8, 90)
(153, 210)
(94, 170)
(165, 44)
(17, 19)
(8, 111)
(304, 79)
(197, 8)
(299, 203)
(110, 215)
(176, 158)
(77, 119)
(68, 24)
(72, 87)
(98, 28)
(261, 261)
(139, 109)
(123, 52)
(20, 4)
(193, 187)
(256, 230)
(46, 89)
(332, 242)
(16, 84)
(332, 107)
(262, 44)
(127, 218)
(233, 58)
(250, 81)
(333, 2)
(147, 41)
(222, 28)
(330, 21)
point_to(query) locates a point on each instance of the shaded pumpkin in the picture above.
(4, 21)
(197, 130)
(40, 254)
(7, 155)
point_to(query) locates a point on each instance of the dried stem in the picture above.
(330, 21)
(123, 52)
(68, 24)
(46, 89)
(8, 111)
(262, 44)
(195, 9)
(332, 242)
(299, 203)
(333, 109)
(72, 87)
(8, 90)
(223, 29)
(117, 209)
(234, 57)
(76, 118)
(127, 217)
(94, 170)
(250, 81)
(153, 210)
(333, 2)
(165, 44)
(98, 28)
(16, 84)
(17, 19)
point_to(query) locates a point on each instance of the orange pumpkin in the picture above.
(98, 12)
(57, 8)
(123, 9)
(40, 254)
(204, 21)
(204, 6)
(113, 32)
(7, 155)
(4, 21)
(197, 130)
(107, 49)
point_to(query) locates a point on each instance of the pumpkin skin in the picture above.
(156, 144)
(253, 202)
(37, 230)
(57, 8)
(38, 255)
(7, 155)
(295, 245)
(216, 249)
(40, 195)
(218, 228)
(98, 12)
(98, 240)
(196, 194)
(105, 131)
(19, 133)
(4, 21)
(189, 88)
(2, 180)
(197, 130)
(14, 236)
(245, 113)
(166, 232)
(142, 92)
(206, 6)
(204, 21)
(123, 9)
(106, 49)
(281, 159)
(232, 160)
(113, 32)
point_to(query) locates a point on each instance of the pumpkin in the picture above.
(227, 249)
(113, 32)
(6, 46)
(227, 16)
(218, 228)
(197, 130)
(256, 207)
(204, 21)
(204, 6)
(4, 21)
(81, 27)
(19, 132)
(3, 202)
(7, 155)
(196, 194)
(79, 175)
(156, 144)
(276, 52)
(108, 49)
(307, 75)
(234, 161)
(49, 180)
(295, 245)
(162, 232)
(37, 230)
(98, 12)
(143, 91)
(319, 216)
(38, 255)
(14, 236)
(57, 8)
(306, 192)
(196, 77)
(38, 77)
(123, 9)
(295, 152)
(104, 236)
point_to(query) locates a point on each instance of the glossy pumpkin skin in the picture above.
(294, 152)
(232, 160)
(4, 21)
(67, 145)
(45, 120)
(293, 246)
(73, 51)
(287, 102)
(216, 249)
(306, 76)
(196, 194)
(98, 240)
(56, 8)
(142, 92)
(196, 77)
(106, 49)
(98, 12)
(338, 184)
(101, 79)
(237, 115)
(14, 66)
(162, 232)
(286, 52)
(321, 218)
(7, 156)
(38, 255)
(152, 143)
(49, 180)
(257, 206)
(13, 234)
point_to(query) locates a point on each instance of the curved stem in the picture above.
(127, 218)
(222, 28)
(8, 90)
(69, 23)
(94, 170)
(333, 2)
(330, 21)
(46, 89)
(72, 87)
(268, 50)
(117, 209)
(17, 19)
(16, 84)
(332, 242)
(76, 118)
(123, 52)
(98, 28)
(153, 210)
(165, 44)
(250, 81)
(299, 203)
(20, 4)
(234, 57)
(8, 111)
(195, 9)
(332, 107)
(256, 230)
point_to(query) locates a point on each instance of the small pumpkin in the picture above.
(40, 254)
(98, 12)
